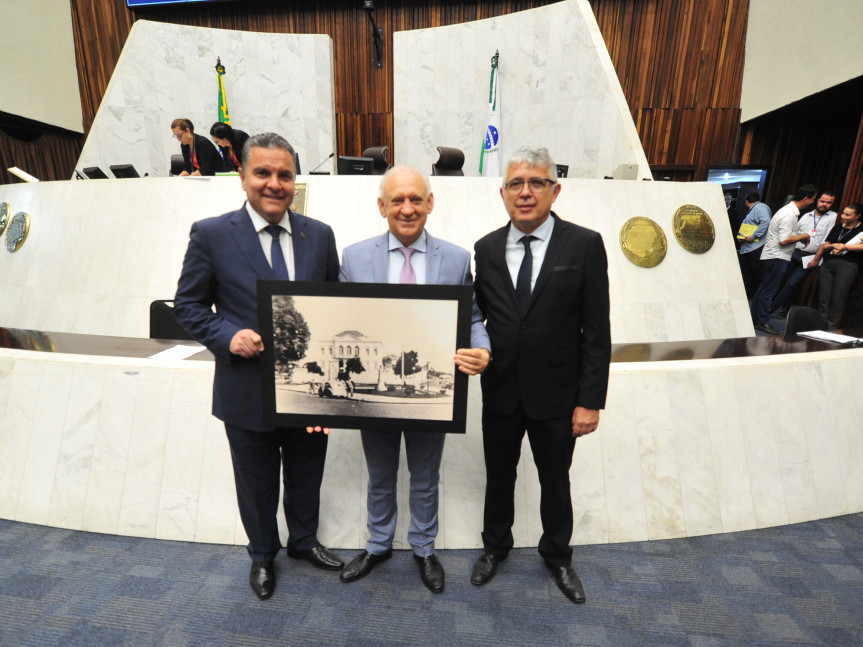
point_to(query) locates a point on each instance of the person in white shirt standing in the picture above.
(777, 254)
(811, 230)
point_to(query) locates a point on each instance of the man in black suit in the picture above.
(227, 255)
(542, 285)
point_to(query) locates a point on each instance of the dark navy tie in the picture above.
(277, 258)
(522, 281)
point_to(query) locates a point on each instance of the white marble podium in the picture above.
(128, 446)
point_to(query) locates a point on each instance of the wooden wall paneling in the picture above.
(679, 63)
(50, 157)
(853, 189)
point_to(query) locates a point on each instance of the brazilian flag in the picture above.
(224, 117)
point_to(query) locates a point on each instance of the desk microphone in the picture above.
(329, 157)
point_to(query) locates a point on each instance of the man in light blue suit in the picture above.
(408, 254)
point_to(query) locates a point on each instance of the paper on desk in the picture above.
(832, 337)
(180, 351)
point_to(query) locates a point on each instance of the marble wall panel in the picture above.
(145, 466)
(691, 443)
(80, 427)
(724, 423)
(273, 82)
(846, 418)
(752, 392)
(21, 381)
(813, 405)
(621, 468)
(188, 421)
(557, 88)
(674, 456)
(99, 252)
(42, 458)
(110, 452)
(589, 501)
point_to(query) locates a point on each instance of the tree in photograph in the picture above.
(354, 365)
(313, 368)
(411, 364)
(290, 335)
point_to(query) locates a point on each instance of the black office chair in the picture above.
(379, 155)
(163, 323)
(450, 162)
(177, 164)
(801, 318)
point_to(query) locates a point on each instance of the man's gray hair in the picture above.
(400, 169)
(265, 140)
(539, 157)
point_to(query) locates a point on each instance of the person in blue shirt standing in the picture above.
(759, 214)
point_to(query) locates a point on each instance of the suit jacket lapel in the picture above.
(302, 245)
(433, 260)
(380, 256)
(499, 268)
(556, 245)
(247, 240)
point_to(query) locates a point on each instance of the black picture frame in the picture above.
(309, 378)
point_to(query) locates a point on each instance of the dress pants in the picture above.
(751, 270)
(762, 302)
(423, 451)
(794, 276)
(258, 457)
(552, 445)
(834, 283)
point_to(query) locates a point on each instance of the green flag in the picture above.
(224, 117)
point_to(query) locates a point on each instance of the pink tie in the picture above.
(407, 274)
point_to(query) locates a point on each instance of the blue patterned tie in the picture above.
(277, 258)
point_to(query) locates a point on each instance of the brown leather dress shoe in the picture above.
(484, 569)
(263, 579)
(362, 565)
(319, 557)
(431, 573)
(567, 581)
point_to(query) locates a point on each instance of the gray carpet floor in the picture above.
(794, 585)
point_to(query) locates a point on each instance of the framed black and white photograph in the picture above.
(364, 355)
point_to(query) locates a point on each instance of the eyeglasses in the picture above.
(536, 184)
(180, 136)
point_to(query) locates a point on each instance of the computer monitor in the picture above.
(355, 165)
(94, 173)
(123, 171)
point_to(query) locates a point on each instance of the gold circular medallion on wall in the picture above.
(5, 212)
(643, 242)
(693, 229)
(17, 231)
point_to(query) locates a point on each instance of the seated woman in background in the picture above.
(230, 142)
(200, 157)
(842, 251)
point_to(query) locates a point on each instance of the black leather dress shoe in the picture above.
(319, 557)
(567, 581)
(362, 565)
(431, 573)
(263, 579)
(484, 569)
(766, 327)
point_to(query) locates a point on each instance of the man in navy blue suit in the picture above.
(227, 255)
